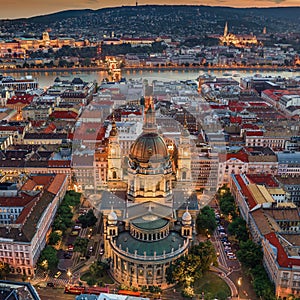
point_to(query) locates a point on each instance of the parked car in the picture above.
(70, 247)
(50, 284)
(68, 255)
(57, 274)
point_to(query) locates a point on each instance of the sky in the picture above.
(13, 9)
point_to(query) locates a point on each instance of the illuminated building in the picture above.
(142, 238)
(244, 40)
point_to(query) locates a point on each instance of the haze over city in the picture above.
(23, 9)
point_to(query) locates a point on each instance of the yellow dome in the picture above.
(149, 147)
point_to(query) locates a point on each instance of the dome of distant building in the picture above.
(112, 218)
(149, 147)
(186, 218)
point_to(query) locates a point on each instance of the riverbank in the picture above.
(145, 68)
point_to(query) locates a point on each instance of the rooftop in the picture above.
(167, 245)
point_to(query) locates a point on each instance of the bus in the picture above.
(129, 293)
(96, 290)
(77, 290)
(74, 289)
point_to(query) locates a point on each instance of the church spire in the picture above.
(114, 130)
(149, 117)
(226, 29)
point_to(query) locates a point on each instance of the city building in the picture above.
(141, 232)
(26, 215)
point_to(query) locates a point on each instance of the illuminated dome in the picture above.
(149, 147)
(112, 218)
(186, 218)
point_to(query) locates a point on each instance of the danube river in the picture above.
(46, 79)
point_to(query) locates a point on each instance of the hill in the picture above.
(155, 20)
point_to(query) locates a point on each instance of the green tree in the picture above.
(250, 254)
(190, 267)
(238, 228)
(4, 269)
(206, 220)
(80, 245)
(48, 259)
(54, 238)
(88, 219)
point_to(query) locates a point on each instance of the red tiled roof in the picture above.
(22, 98)
(259, 104)
(266, 179)
(277, 94)
(237, 120)
(254, 133)
(240, 155)
(246, 192)
(216, 106)
(70, 136)
(57, 183)
(50, 128)
(19, 201)
(126, 113)
(282, 258)
(250, 126)
(71, 115)
(11, 128)
(90, 131)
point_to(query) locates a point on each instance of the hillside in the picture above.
(154, 20)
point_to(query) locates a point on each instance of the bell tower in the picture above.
(184, 155)
(114, 154)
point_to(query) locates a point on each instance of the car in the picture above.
(101, 251)
(77, 227)
(50, 284)
(233, 257)
(57, 274)
(68, 254)
(70, 247)
(74, 233)
(230, 254)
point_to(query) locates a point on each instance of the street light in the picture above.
(69, 274)
(239, 282)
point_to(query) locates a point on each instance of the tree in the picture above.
(206, 220)
(4, 269)
(190, 267)
(263, 287)
(54, 238)
(88, 219)
(80, 245)
(97, 268)
(48, 259)
(238, 228)
(249, 254)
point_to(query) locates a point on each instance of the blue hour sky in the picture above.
(12, 9)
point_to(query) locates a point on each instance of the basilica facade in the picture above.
(143, 238)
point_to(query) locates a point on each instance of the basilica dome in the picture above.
(149, 147)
